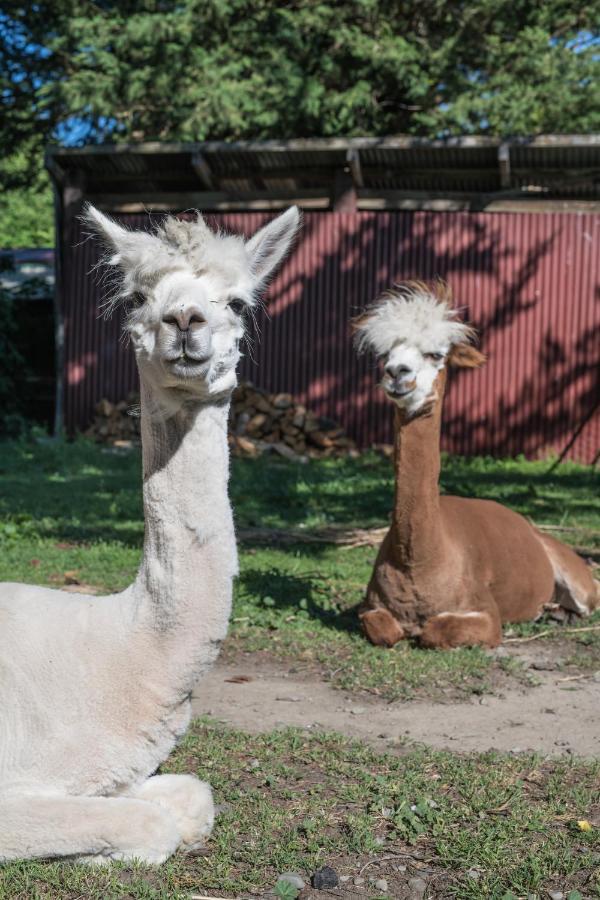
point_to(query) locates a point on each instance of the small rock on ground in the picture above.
(325, 878)
(292, 878)
(417, 888)
(381, 884)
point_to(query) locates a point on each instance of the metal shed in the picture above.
(513, 226)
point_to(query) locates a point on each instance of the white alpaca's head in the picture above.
(414, 332)
(186, 290)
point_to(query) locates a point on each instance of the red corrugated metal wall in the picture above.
(529, 281)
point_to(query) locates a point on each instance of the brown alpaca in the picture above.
(450, 570)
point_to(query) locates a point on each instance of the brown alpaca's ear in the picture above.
(465, 356)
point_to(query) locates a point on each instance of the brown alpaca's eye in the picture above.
(236, 306)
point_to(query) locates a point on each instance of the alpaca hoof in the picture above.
(197, 815)
(381, 628)
(190, 803)
(449, 630)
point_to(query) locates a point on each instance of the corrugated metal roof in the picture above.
(554, 166)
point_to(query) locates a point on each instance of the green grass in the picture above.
(296, 802)
(76, 508)
(482, 825)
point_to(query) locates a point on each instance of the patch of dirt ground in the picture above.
(559, 715)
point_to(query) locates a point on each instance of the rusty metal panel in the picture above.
(529, 282)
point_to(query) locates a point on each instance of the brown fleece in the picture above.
(446, 558)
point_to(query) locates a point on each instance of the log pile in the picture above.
(259, 422)
(116, 423)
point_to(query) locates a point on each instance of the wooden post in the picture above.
(68, 202)
(344, 193)
(504, 165)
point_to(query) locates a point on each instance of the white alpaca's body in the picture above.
(75, 667)
(95, 691)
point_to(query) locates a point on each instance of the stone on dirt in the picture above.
(417, 888)
(292, 878)
(325, 878)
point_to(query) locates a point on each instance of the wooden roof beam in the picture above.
(173, 201)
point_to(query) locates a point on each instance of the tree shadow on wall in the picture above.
(538, 386)
(558, 397)
(533, 392)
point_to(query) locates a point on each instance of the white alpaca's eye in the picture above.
(435, 357)
(236, 306)
(137, 299)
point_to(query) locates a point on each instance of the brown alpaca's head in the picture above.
(415, 333)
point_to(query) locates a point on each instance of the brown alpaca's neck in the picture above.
(416, 524)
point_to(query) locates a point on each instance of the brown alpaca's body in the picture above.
(452, 570)
(492, 561)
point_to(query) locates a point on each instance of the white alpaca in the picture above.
(95, 691)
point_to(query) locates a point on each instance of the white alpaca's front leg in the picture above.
(189, 801)
(88, 829)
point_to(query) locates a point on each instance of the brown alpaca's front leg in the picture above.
(464, 629)
(381, 627)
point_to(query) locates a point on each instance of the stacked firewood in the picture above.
(262, 421)
(259, 422)
(116, 423)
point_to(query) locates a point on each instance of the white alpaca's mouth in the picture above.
(185, 366)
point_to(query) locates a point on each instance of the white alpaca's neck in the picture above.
(189, 558)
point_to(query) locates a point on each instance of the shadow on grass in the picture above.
(75, 492)
(279, 592)
(84, 493)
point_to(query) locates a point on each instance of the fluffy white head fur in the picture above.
(186, 288)
(412, 329)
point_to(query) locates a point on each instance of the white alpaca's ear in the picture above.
(113, 234)
(131, 249)
(269, 245)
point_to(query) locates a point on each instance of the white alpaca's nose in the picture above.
(187, 318)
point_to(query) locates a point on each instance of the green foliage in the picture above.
(193, 70)
(231, 69)
(12, 370)
(26, 212)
